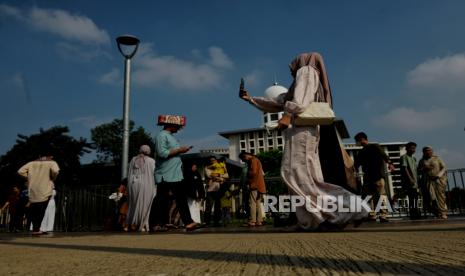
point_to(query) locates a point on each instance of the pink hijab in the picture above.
(315, 60)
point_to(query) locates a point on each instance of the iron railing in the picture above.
(90, 209)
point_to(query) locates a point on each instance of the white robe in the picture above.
(300, 168)
(48, 221)
(141, 191)
(194, 208)
(49, 217)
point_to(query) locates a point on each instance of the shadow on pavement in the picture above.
(346, 265)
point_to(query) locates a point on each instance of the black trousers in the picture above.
(159, 214)
(37, 212)
(213, 200)
(413, 203)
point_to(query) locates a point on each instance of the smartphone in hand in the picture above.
(242, 92)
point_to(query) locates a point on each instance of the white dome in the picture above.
(274, 91)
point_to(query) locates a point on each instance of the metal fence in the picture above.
(84, 209)
(90, 209)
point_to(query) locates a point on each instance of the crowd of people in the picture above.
(163, 192)
(303, 169)
(427, 177)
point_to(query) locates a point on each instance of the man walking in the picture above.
(373, 161)
(168, 174)
(40, 175)
(256, 183)
(408, 168)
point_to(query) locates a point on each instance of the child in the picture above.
(226, 206)
(217, 169)
(16, 207)
(123, 205)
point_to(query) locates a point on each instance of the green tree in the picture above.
(271, 163)
(66, 151)
(108, 139)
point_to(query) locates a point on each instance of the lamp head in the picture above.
(129, 41)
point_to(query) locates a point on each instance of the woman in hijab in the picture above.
(301, 169)
(141, 189)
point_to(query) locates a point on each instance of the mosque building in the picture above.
(267, 137)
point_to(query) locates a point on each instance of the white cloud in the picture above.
(80, 53)
(411, 120)
(253, 78)
(88, 121)
(439, 74)
(152, 70)
(112, 77)
(219, 58)
(9, 11)
(70, 27)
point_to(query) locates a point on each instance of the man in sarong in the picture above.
(373, 161)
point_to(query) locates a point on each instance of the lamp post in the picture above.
(125, 43)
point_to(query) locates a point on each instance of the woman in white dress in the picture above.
(300, 168)
(141, 189)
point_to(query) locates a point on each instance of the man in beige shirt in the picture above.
(40, 175)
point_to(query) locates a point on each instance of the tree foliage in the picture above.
(271, 163)
(108, 140)
(66, 151)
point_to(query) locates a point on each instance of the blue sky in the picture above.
(397, 68)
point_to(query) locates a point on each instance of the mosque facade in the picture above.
(267, 137)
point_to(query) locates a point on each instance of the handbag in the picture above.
(317, 113)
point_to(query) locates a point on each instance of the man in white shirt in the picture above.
(40, 175)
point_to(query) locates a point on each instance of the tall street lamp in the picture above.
(126, 43)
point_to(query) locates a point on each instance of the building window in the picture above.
(261, 150)
(251, 135)
(280, 147)
(252, 144)
(280, 141)
(242, 145)
(274, 117)
(242, 136)
(270, 142)
(260, 134)
(252, 151)
(279, 133)
(270, 148)
(260, 143)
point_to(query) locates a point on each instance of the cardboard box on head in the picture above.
(179, 120)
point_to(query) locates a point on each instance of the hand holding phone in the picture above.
(242, 92)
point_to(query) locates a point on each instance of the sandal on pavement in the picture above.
(192, 226)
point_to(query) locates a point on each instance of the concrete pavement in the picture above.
(397, 248)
